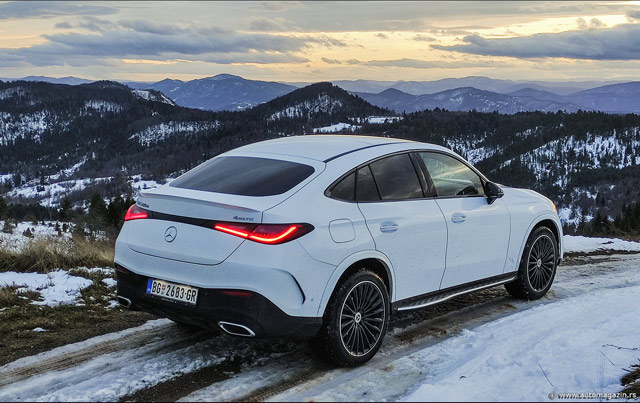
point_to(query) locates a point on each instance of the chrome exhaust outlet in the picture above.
(126, 302)
(235, 329)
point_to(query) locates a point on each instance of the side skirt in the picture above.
(439, 296)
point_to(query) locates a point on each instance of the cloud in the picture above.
(621, 42)
(155, 41)
(424, 38)
(593, 24)
(382, 36)
(276, 6)
(50, 9)
(331, 61)
(90, 23)
(266, 24)
(633, 14)
(422, 64)
(152, 27)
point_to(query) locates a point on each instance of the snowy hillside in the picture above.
(159, 132)
(322, 104)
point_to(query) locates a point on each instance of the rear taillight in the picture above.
(272, 234)
(136, 213)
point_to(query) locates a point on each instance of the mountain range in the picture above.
(229, 92)
(72, 140)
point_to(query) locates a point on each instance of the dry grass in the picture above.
(45, 254)
(631, 381)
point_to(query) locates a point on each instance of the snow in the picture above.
(17, 240)
(39, 330)
(584, 244)
(54, 192)
(500, 355)
(102, 107)
(147, 95)
(338, 127)
(75, 347)
(109, 282)
(377, 120)
(56, 287)
(159, 132)
(29, 125)
(574, 343)
(323, 103)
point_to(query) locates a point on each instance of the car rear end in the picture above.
(197, 250)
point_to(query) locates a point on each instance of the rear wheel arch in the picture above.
(374, 263)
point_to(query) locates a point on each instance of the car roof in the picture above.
(323, 147)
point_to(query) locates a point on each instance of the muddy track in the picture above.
(71, 359)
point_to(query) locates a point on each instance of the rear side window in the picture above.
(396, 178)
(346, 188)
(244, 176)
(366, 188)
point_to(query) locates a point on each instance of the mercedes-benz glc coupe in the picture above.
(325, 237)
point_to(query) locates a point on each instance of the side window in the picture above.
(396, 178)
(450, 176)
(345, 189)
(366, 189)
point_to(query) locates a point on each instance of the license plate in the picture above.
(172, 291)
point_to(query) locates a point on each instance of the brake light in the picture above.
(272, 234)
(136, 213)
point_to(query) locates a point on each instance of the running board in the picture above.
(437, 297)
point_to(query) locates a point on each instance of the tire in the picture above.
(538, 266)
(355, 321)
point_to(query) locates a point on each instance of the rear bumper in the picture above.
(254, 311)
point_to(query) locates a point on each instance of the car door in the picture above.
(406, 226)
(478, 232)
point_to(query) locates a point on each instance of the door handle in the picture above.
(388, 227)
(458, 217)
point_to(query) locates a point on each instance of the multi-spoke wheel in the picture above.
(355, 320)
(537, 266)
(362, 318)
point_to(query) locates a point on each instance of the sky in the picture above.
(293, 41)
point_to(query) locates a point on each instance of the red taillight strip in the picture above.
(277, 237)
(232, 231)
(280, 233)
(136, 213)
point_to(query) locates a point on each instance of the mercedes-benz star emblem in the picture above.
(170, 234)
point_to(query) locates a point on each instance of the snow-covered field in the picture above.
(488, 346)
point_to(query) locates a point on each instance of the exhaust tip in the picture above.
(235, 329)
(126, 302)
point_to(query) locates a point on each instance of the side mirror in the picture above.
(492, 192)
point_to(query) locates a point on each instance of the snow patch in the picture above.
(583, 244)
(56, 287)
(338, 127)
(159, 132)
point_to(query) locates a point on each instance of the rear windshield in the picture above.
(244, 176)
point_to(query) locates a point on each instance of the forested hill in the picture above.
(100, 129)
(53, 137)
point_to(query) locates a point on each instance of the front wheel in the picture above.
(355, 321)
(537, 266)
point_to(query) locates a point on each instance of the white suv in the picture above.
(324, 237)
